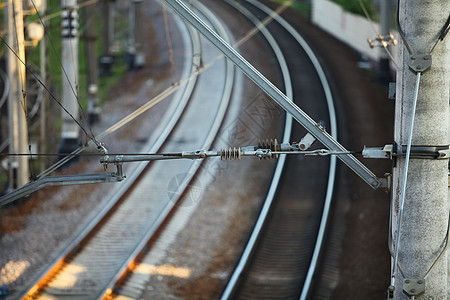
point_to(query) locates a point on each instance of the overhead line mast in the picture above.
(17, 105)
(420, 183)
(69, 32)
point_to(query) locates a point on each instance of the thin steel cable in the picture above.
(444, 249)
(377, 34)
(400, 30)
(45, 87)
(390, 240)
(161, 96)
(363, 7)
(405, 178)
(443, 34)
(92, 136)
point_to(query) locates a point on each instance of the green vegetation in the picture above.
(53, 38)
(354, 6)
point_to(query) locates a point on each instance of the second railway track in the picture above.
(282, 253)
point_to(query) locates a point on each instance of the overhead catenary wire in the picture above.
(91, 136)
(142, 109)
(45, 87)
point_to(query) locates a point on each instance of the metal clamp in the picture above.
(427, 152)
(119, 165)
(378, 152)
(420, 63)
(422, 152)
(444, 154)
(414, 287)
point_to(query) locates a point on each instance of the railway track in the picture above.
(281, 256)
(100, 262)
(271, 274)
(101, 253)
(131, 285)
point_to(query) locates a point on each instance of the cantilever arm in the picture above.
(274, 93)
(59, 181)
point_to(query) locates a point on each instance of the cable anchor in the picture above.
(420, 63)
(414, 287)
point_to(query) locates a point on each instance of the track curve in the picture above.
(96, 257)
(255, 271)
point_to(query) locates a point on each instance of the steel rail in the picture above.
(243, 261)
(218, 119)
(165, 128)
(332, 170)
(273, 92)
(334, 133)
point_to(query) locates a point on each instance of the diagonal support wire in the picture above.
(273, 92)
(405, 178)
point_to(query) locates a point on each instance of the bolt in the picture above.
(419, 281)
(412, 291)
(419, 67)
(413, 58)
(407, 281)
(426, 57)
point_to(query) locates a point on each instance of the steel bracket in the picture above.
(420, 62)
(378, 152)
(427, 152)
(60, 180)
(444, 154)
(414, 287)
(392, 90)
(386, 182)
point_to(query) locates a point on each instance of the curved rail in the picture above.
(332, 169)
(281, 161)
(142, 249)
(166, 126)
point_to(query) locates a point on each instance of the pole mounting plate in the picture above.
(420, 62)
(414, 287)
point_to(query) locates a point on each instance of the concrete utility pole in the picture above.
(18, 132)
(424, 214)
(92, 65)
(69, 32)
